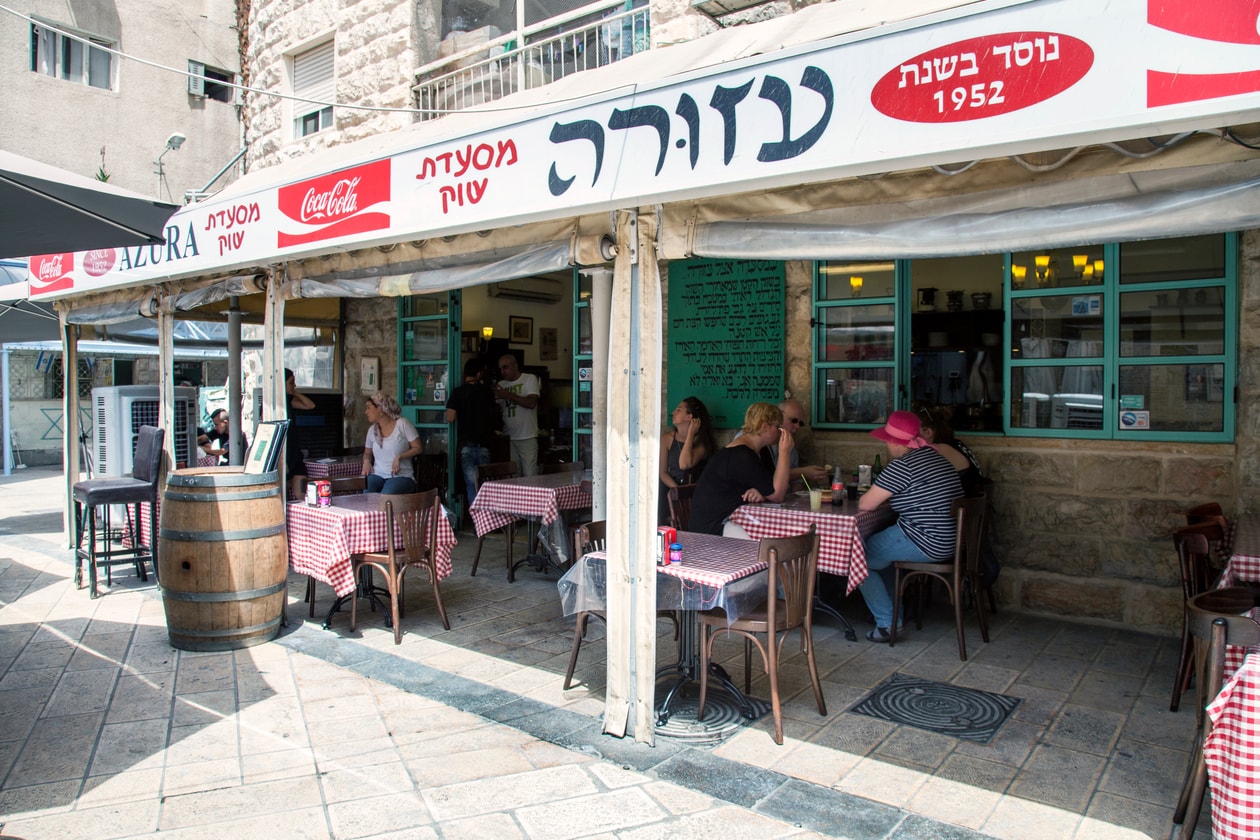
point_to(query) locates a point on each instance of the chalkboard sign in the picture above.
(724, 337)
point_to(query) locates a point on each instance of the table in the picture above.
(1232, 750)
(540, 498)
(841, 529)
(343, 466)
(323, 540)
(715, 572)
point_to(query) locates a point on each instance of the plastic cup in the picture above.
(815, 500)
(851, 490)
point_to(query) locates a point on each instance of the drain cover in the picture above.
(723, 715)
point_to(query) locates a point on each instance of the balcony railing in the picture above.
(503, 66)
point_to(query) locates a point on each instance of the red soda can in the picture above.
(323, 492)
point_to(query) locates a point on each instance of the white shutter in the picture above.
(196, 78)
(313, 76)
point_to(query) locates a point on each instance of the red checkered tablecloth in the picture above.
(840, 532)
(1232, 753)
(322, 539)
(347, 467)
(539, 497)
(715, 572)
(1244, 563)
(207, 460)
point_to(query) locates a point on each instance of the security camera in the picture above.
(175, 141)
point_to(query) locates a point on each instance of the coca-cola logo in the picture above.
(1230, 22)
(51, 273)
(98, 263)
(338, 203)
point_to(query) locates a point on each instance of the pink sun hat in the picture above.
(902, 428)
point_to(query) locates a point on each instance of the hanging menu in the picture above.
(724, 338)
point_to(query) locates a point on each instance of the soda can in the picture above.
(323, 491)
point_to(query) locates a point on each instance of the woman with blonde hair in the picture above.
(735, 476)
(390, 445)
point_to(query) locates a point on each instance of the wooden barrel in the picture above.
(222, 557)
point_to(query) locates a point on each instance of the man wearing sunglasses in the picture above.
(793, 422)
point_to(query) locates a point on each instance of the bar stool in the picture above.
(100, 493)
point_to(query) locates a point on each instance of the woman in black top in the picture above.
(735, 476)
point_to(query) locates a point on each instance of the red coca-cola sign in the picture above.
(982, 77)
(1228, 21)
(335, 205)
(98, 263)
(51, 273)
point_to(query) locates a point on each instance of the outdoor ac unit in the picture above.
(118, 413)
(1076, 411)
(536, 289)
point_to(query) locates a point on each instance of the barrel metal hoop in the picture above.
(218, 634)
(222, 536)
(222, 597)
(221, 479)
(172, 496)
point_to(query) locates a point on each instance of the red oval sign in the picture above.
(982, 77)
(98, 263)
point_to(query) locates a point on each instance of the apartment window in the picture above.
(76, 59)
(313, 79)
(206, 82)
(1132, 340)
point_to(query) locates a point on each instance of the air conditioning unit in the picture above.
(118, 413)
(535, 289)
(1076, 411)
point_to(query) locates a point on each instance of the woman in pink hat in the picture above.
(919, 484)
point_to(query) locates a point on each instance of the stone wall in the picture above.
(371, 330)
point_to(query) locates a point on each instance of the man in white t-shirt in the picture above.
(517, 394)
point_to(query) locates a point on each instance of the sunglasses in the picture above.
(796, 421)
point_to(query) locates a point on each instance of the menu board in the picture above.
(724, 335)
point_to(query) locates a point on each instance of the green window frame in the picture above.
(1114, 341)
(583, 380)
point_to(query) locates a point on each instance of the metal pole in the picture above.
(236, 452)
(5, 420)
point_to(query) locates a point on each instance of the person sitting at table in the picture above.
(735, 476)
(217, 438)
(814, 475)
(390, 445)
(685, 449)
(935, 429)
(920, 484)
(295, 466)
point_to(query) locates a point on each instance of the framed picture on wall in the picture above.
(548, 344)
(468, 341)
(520, 330)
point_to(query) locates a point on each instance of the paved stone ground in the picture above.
(107, 731)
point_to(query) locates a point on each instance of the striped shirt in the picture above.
(923, 485)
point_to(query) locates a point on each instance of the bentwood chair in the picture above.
(1222, 540)
(1192, 544)
(587, 538)
(496, 472)
(1216, 620)
(793, 566)
(959, 575)
(415, 516)
(680, 505)
(99, 494)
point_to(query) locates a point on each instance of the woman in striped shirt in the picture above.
(919, 484)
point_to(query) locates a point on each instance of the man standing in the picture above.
(794, 421)
(472, 405)
(517, 393)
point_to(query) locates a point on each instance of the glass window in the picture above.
(1112, 340)
(314, 81)
(74, 58)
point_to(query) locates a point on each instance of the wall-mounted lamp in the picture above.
(1098, 269)
(487, 333)
(1087, 273)
(1018, 273)
(855, 286)
(1042, 268)
(1079, 261)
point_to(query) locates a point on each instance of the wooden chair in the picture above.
(587, 538)
(415, 516)
(1215, 620)
(496, 472)
(793, 565)
(1192, 544)
(680, 505)
(1211, 513)
(958, 575)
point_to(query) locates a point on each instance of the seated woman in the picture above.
(735, 476)
(919, 484)
(685, 450)
(935, 429)
(390, 445)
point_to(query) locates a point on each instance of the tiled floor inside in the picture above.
(1091, 752)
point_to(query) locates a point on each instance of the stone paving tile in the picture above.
(280, 764)
(880, 781)
(954, 802)
(500, 793)
(614, 811)
(1061, 777)
(129, 746)
(1086, 729)
(498, 826)
(1147, 772)
(206, 806)
(78, 692)
(366, 817)
(204, 775)
(389, 776)
(297, 824)
(31, 800)
(1019, 819)
(727, 822)
(436, 771)
(122, 819)
(142, 697)
(58, 749)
